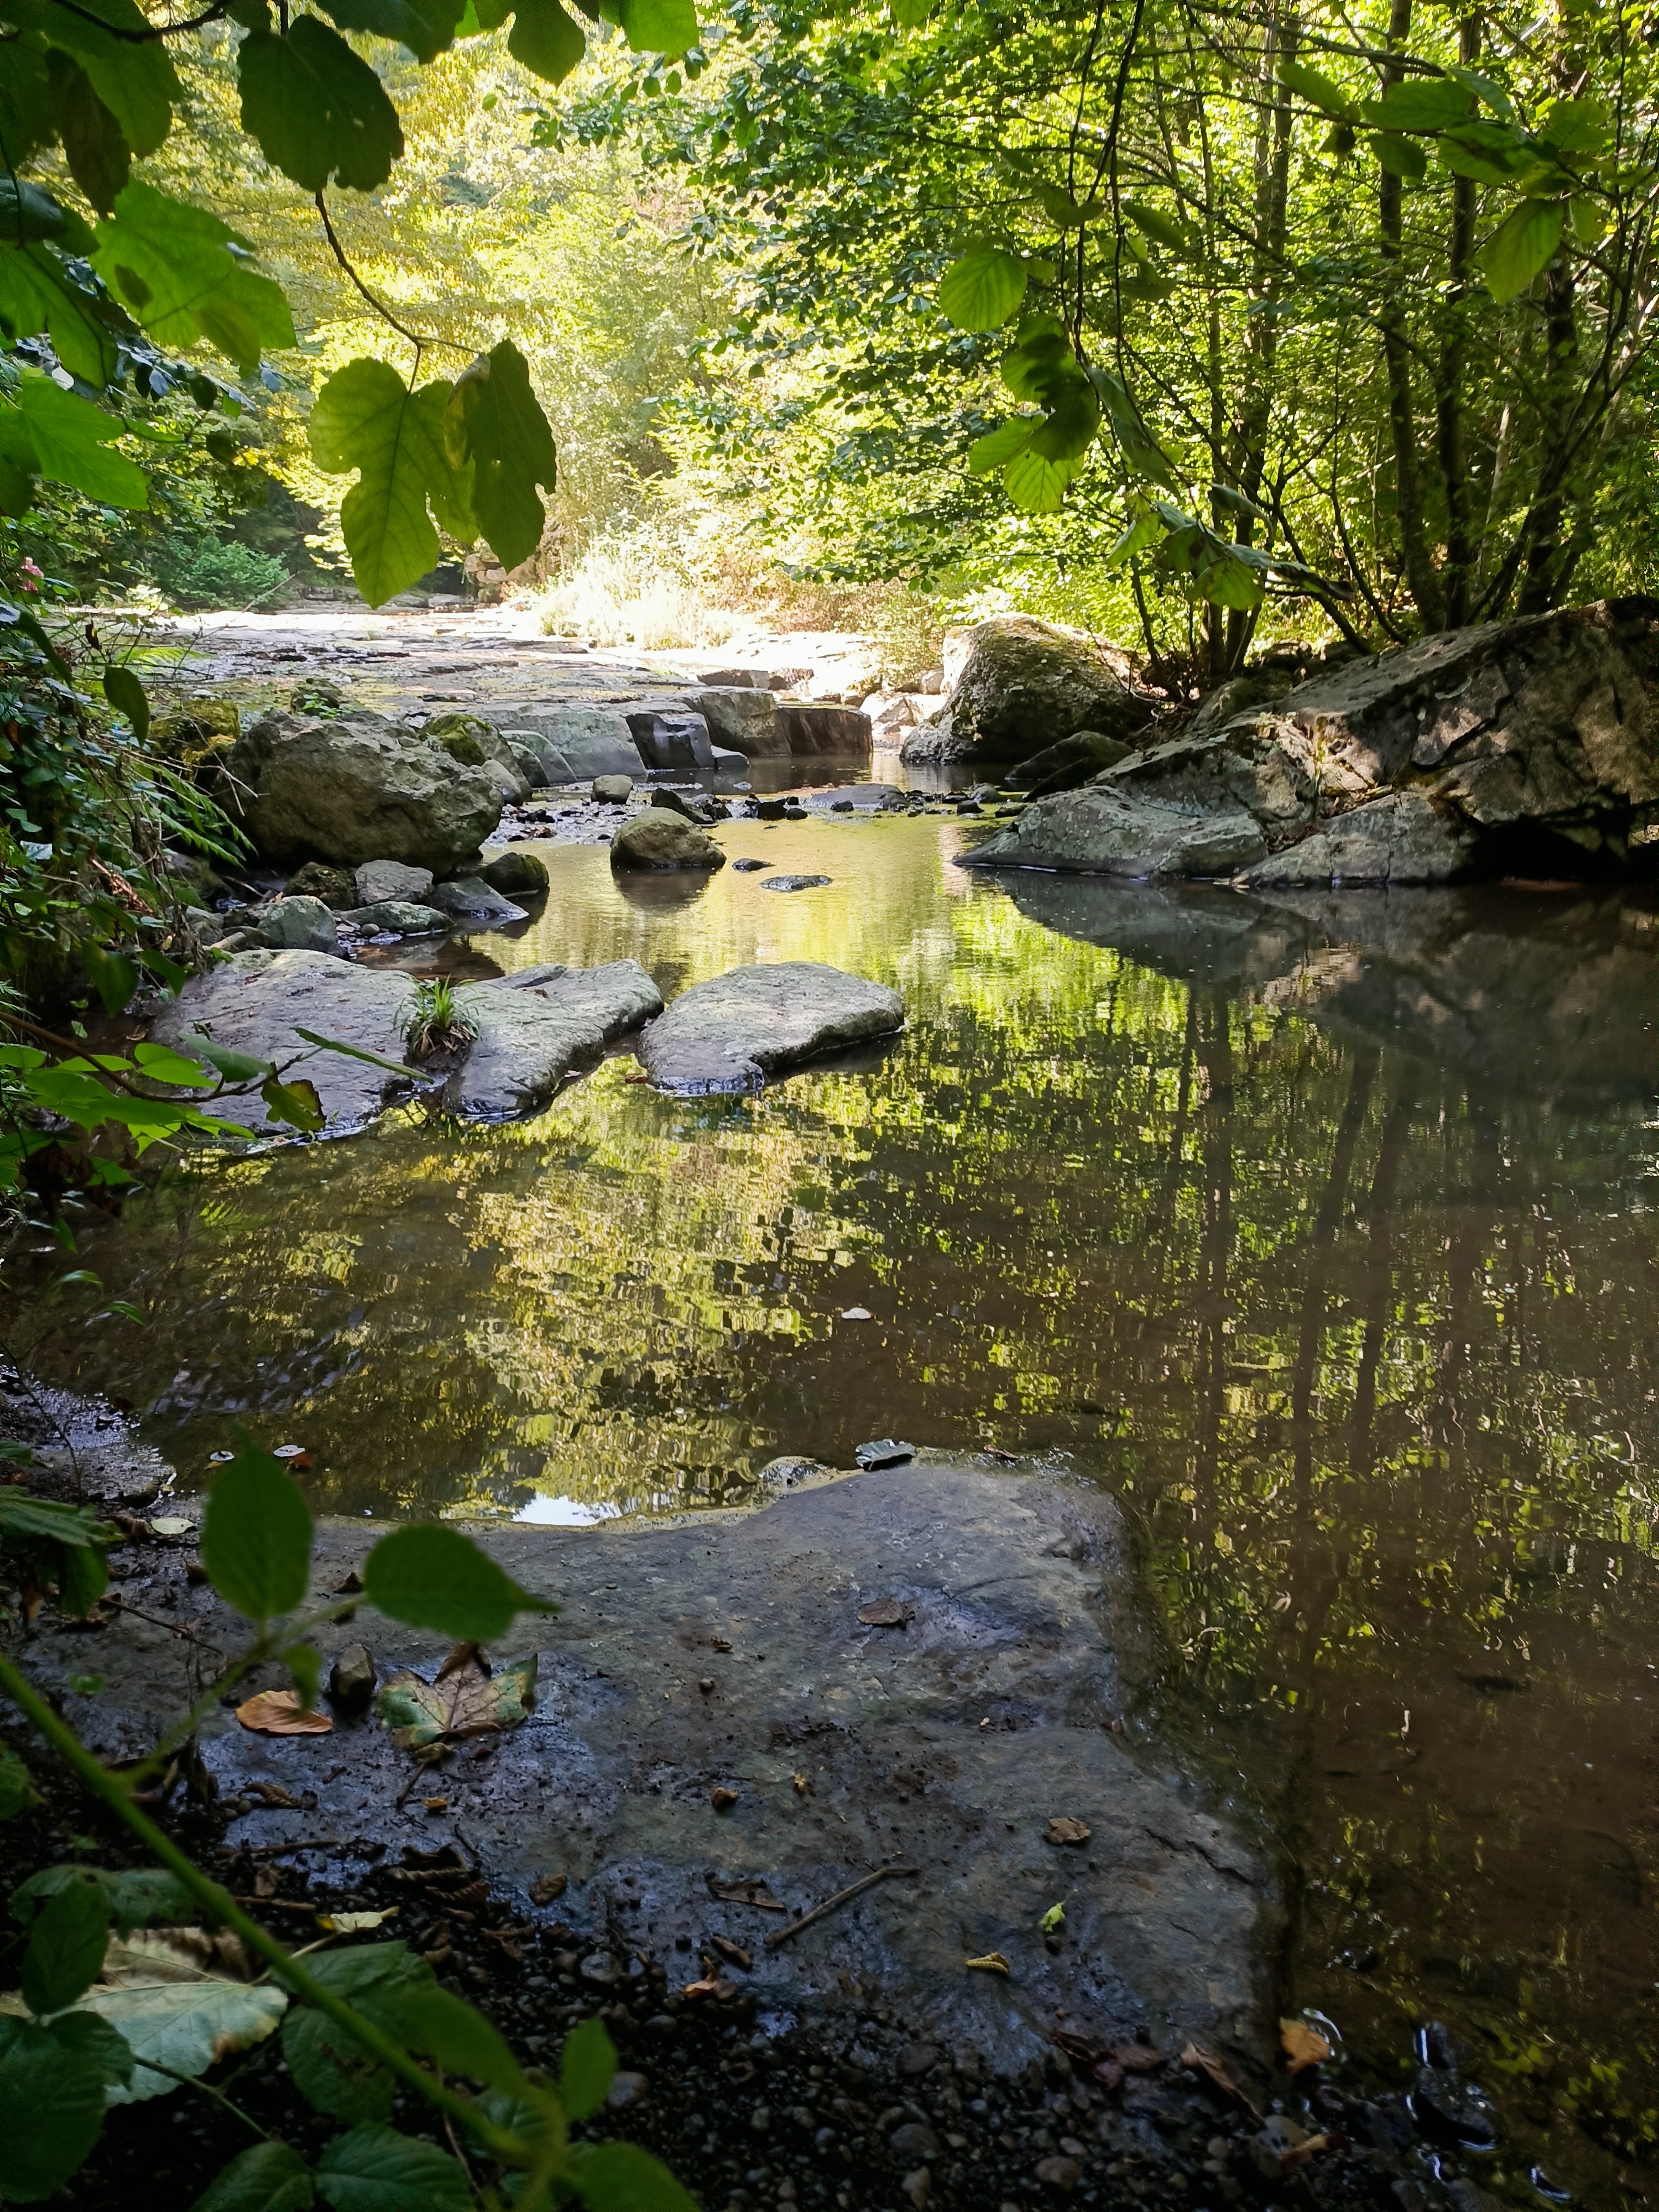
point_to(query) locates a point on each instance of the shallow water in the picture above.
(1323, 1233)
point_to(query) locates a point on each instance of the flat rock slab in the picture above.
(256, 1002)
(530, 1039)
(732, 1032)
(948, 1744)
(1098, 830)
(1402, 838)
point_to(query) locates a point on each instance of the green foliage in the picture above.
(436, 1020)
(365, 418)
(318, 113)
(496, 439)
(66, 1946)
(17, 1790)
(52, 2096)
(255, 1535)
(58, 1543)
(210, 572)
(268, 2177)
(983, 290)
(587, 2066)
(433, 1577)
(373, 2169)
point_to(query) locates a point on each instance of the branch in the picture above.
(151, 31)
(384, 313)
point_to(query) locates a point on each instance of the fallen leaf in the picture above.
(354, 1924)
(278, 1712)
(720, 1643)
(745, 1892)
(547, 1887)
(886, 1612)
(885, 1451)
(172, 1525)
(733, 1954)
(1138, 2058)
(1215, 2070)
(464, 1700)
(1053, 1918)
(801, 1785)
(1063, 1829)
(713, 1985)
(1303, 2045)
(721, 1798)
(1299, 2153)
(272, 1792)
(992, 1963)
(435, 1804)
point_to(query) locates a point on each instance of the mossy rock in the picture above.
(335, 887)
(516, 875)
(463, 738)
(191, 731)
(316, 697)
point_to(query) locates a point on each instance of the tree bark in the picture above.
(1414, 551)
(1449, 396)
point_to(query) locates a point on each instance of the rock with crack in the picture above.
(733, 1032)
(1101, 831)
(528, 1040)
(358, 788)
(256, 1002)
(1401, 838)
(574, 742)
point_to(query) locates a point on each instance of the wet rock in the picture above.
(1073, 761)
(691, 807)
(824, 732)
(574, 742)
(668, 740)
(884, 1452)
(917, 2059)
(743, 718)
(600, 1970)
(528, 1040)
(787, 1471)
(1022, 686)
(378, 880)
(613, 790)
(1451, 2109)
(527, 756)
(300, 925)
(335, 887)
(627, 2089)
(469, 898)
(351, 1677)
(1402, 838)
(858, 798)
(1058, 2173)
(659, 840)
(400, 918)
(794, 883)
(1111, 832)
(256, 1001)
(732, 1032)
(915, 2139)
(748, 867)
(515, 875)
(358, 787)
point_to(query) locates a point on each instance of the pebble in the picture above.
(915, 2139)
(1059, 2172)
(626, 2089)
(794, 883)
(748, 867)
(600, 1968)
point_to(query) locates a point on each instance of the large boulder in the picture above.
(300, 924)
(574, 742)
(1023, 685)
(672, 737)
(528, 1040)
(1117, 833)
(377, 880)
(358, 788)
(743, 719)
(1073, 761)
(657, 839)
(731, 1033)
(820, 731)
(1402, 838)
(476, 742)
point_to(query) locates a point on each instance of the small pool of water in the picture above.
(1320, 1232)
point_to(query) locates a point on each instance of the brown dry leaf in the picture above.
(713, 1985)
(1303, 2045)
(801, 1785)
(1215, 2070)
(547, 1887)
(278, 1712)
(745, 1892)
(1298, 2153)
(721, 1798)
(1138, 2058)
(720, 1643)
(885, 1613)
(273, 1794)
(733, 1954)
(992, 1963)
(1063, 1829)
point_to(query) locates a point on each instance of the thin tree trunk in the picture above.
(1449, 397)
(1414, 552)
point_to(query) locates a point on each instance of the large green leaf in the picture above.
(1521, 246)
(443, 2027)
(1487, 153)
(66, 1946)
(998, 447)
(1067, 433)
(1419, 104)
(268, 2176)
(52, 2109)
(1037, 486)
(545, 38)
(133, 77)
(68, 439)
(587, 2066)
(1316, 87)
(430, 1577)
(318, 110)
(1401, 157)
(171, 266)
(1575, 126)
(38, 293)
(374, 2169)
(135, 1896)
(26, 120)
(256, 1536)
(425, 27)
(365, 418)
(99, 157)
(17, 1790)
(497, 440)
(465, 1700)
(53, 1518)
(127, 694)
(332, 2070)
(623, 2178)
(982, 290)
(657, 26)
(186, 2026)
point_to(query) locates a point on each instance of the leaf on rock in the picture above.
(991, 1962)
(1302, 2044)
(465, 1700)
(1216, 2071)
(279, 1712)
(173, 267)
(886, 1612)
(318, 111)
(1063, 1829)
(495, 431)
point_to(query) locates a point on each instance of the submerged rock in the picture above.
(658, 839)
(732, 1032)
(795, 883)
(530, 1037)
(403, 917)
(358, 788)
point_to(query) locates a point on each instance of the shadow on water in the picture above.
(1320, 1229)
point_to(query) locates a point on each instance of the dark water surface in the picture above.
(1323, 1233)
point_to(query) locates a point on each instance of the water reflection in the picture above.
(1321, 1230)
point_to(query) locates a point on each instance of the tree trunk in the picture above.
(1414, 552)
(1449, 395)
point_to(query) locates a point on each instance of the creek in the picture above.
(1322, 1236)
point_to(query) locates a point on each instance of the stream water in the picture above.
(1322, 1234)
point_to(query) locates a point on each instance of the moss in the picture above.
(461, 737)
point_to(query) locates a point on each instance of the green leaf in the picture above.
(23, 1516)
(1421, 103)
(112, 975)
(1521, 248)
(256, 1536)
(70, 438)
(1401, 157)
(268, 2176)
(187, 2026)
(173, 267)
(1590, 220)
(235, 1067)
(545, 39)
(365, 418)
(427, 27)
(134, 1897)
(1161, 229)
(17, 1790)
(133, 77)
(37, 293)
(1143, 531)
(622, 2178)
(1486, 89)
(52, 2109)
(128, 697)
(28, 214)
(443, 2027)
(295, 1103)
(26, 106)
(83, 1578)
(657, 26)
(461, 1703)
(1488, 153)
(497, 438)
(354, 1052)
(87, 2037)
(1037, 486)
(1062, 210)
(66, 1948)
(1575, 126)
(373, 2169)
(332, 2070)
(318, 111)
(997, 447)
(587, 2066)
(100, 158)
(430, 1577)
(1067, 433)
(1316, 88)
(160, 1064)
(982, 290)
(367, 1967)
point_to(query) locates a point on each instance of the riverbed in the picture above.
(1320, 1235)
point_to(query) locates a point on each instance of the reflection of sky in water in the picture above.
(1323, 1236)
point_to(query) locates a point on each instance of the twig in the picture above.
(834, 1904)
(276, 1850)
(175, 1627)
(384, 313)
(192, 2081)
